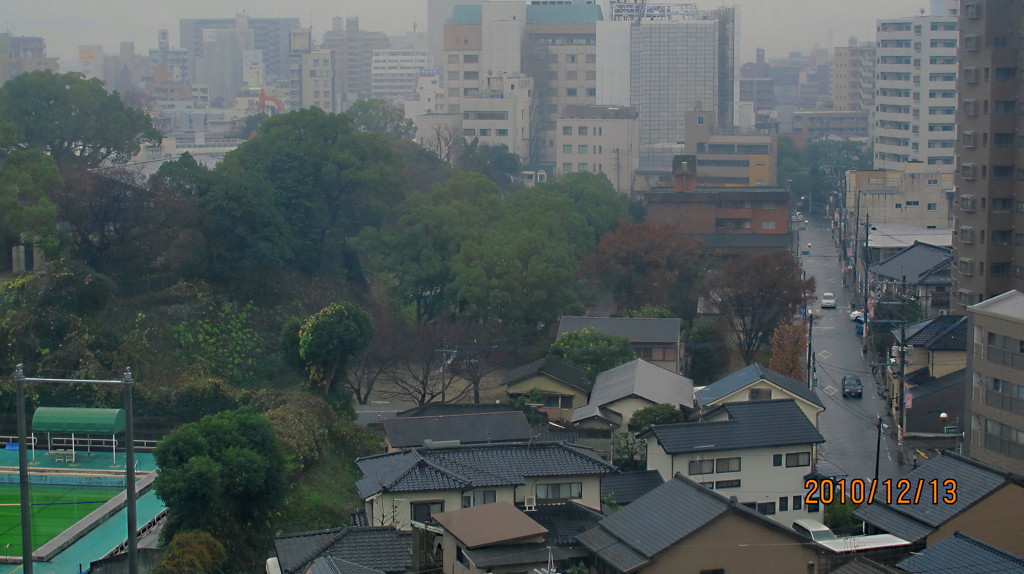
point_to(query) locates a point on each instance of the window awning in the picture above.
(78, 420)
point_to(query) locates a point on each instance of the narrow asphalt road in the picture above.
(848, 424)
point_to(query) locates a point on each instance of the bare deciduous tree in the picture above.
(423, 371)
(445, 142)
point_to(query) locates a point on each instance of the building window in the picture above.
(566, 130)
(484, 497)
(759, 395)
(560, 491)
(485, 131)
(501, 132)
(422, 511)
(571, 58)
(727, 464)
(453, 58)
(471, 58)
(794, 459)
(766, 508)
(783, 503)
(582, 167)
(702, 467)
(571, 92)
(581, 130)
(591, 92)
(798, 502)
(767, 225)
(471, 75)
(1002, 203)
(777, 460)
(566, 168)
(933, 206)
(453, 76)
(582, 148)
(727, 484)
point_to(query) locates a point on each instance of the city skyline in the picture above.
(795, 26)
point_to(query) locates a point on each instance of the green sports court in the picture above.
(55, 507)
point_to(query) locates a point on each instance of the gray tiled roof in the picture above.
(749, 375)
(565, 521)
(753, 424)
(594, 411)
(471, 428)
(379, 548)
(921, 263)
(861, 565)
(470, 466)
(964, 555)
(634, 535)
(552, 367)
(638, 378)
(445, 409)
(665, 331)
(974, 482)
(942, 333)
(626, 487)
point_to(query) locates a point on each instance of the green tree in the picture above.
(28, 179)
(329, 339)
(708, 352)
(224, 474)
(662, 414)
(381, 117)
(593, 351)
(195, 552)
(839, 518)
(496, 162)
(73, 120)
(594, 198)
(652, 312)
(757, 294)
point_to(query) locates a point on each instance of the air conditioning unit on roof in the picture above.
(530, 503)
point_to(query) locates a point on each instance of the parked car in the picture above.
(852, 387)
(828, 301)
(854, 315)
(813, 530)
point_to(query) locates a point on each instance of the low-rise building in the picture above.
(920, 272)
(410, 486)
(563, 388)
(995, 365)
(758, 452)
(654, 340)
(381, 549)
(757, 383)
(601, 139)
(681, 522)
(957, 494)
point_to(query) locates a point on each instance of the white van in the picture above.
(813, 530)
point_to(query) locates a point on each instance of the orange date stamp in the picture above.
(888, 491)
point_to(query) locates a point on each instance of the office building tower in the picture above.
(222, 65)
(353, 59)
(853, 77)
(915, 89)
(269, 35)
(664, 60)
(989, 181)
(394, 73)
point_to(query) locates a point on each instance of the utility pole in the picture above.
(810, 344)
(864, 262)
(878, 445)
(26, 510)
(903, 384)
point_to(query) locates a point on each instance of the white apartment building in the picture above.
(915, 89)
(394, 73)
(428, 97)
(601, 139)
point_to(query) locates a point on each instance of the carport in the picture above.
(72, 421)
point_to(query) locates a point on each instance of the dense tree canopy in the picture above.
(28, 178)
(662, 414)
(757, 294)
(329, 339)
(381, 117)
(593, 351)
(223, 474)
(73, 120)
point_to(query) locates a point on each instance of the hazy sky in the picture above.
(780, 26)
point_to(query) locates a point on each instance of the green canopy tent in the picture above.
(79, 420)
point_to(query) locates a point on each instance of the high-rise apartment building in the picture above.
(269, 35)
(353, 59)
(990, 178)
(312, 78)
(853, 77)
(394, 73)
(168, 64)
(994, 433)
(915, 89)
(663, 60)
(221, 67)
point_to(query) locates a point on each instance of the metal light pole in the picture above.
(26, 513)
(878, 445)
(810, 344)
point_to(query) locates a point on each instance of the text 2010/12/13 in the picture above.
(888, 491)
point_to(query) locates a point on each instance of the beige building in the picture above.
(394, 74)
(600, 139)
(23, 54)
(853, 77)
(730, 157)
(919, 196)
(995, 365)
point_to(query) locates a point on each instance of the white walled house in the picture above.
(760, 452)
(757, 383)
(402, 487)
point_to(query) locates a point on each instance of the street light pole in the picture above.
(878, 445)
(810, 344)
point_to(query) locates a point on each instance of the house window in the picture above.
(460, 557)
(798, 502)
(777, 460)
(727, 484)
(484, 497)
(783, 503)
(798, 459)
(766, 508)
(727, 464)
(560, 491)
(421, 511)
(933, 206)
(759, 395)
(702, 466)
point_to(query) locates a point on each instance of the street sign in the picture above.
(951, 430)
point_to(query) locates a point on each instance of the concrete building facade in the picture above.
(353, 59)
(990, 179)
(23, 54)
(269, 35)
(602, 139)
(995, 367)
(853, 77)
(919, 196)
(730, 157)
(916, 90)
(395, 73)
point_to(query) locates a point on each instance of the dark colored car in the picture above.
(852, 387)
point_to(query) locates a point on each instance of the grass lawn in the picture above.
(54, 509)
